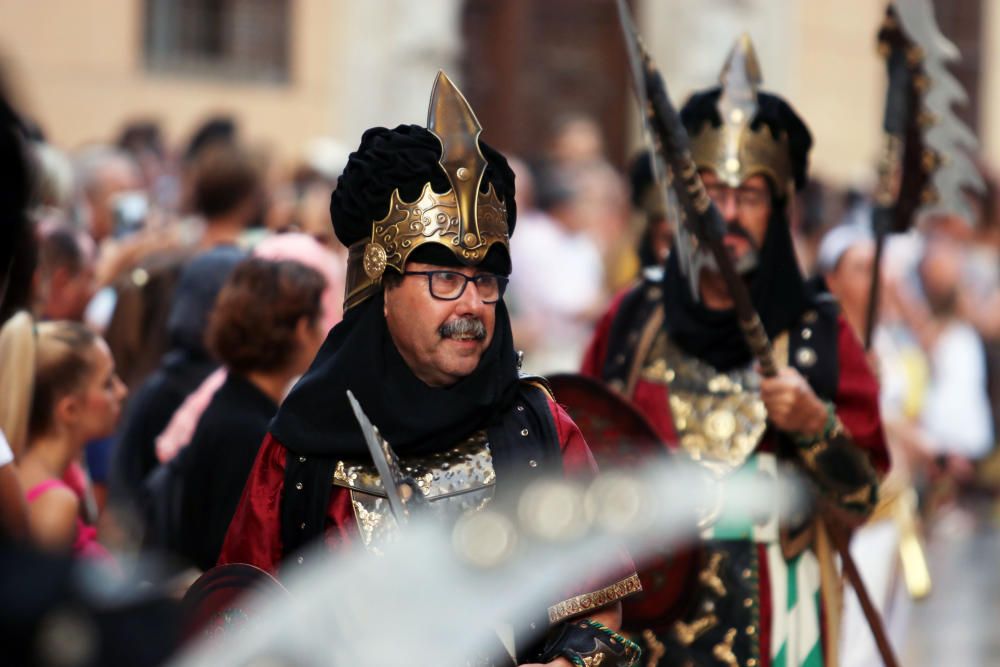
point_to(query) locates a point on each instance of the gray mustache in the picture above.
(466, 327)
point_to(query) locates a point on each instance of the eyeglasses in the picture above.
(746, 197)
(450, 285)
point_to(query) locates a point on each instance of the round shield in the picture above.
(224, 598)
(619, 435)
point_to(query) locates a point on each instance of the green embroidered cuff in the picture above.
(586, 643)
(829, 428)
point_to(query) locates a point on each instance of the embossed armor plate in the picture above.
(719, 417)
(453, 481)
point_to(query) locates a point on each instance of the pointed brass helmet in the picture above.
(734, 150)
(464, 220)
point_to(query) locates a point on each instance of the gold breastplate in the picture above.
(453, 481)
(719, 417)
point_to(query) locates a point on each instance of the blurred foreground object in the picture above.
(443, 591)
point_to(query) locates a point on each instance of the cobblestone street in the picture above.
(957, 625)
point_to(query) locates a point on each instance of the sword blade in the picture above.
(386, 462)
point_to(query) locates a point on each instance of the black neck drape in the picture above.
(777, 291)
(359, 355)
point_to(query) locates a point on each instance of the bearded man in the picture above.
(674, 347)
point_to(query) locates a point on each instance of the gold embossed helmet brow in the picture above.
(464, 220)
(735, 151)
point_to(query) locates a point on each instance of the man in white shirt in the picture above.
(846, 259)
(558, 290)
(957, 411)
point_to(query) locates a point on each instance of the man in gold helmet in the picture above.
(761, 595)
(426, 347)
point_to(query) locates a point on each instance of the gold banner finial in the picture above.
(452, 121)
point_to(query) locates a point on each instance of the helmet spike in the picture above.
(452, 121)
(742, 62)
(740, 78)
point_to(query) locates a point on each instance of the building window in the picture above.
(245, 40)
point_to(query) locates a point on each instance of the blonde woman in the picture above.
(15, 348)
(70, 394)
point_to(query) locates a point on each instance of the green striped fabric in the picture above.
(795, 625)
(795, 584)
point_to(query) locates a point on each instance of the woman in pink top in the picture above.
(75, 397)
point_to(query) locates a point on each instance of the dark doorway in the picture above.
(529, 63)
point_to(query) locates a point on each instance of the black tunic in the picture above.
(214, 467)
(148, 413)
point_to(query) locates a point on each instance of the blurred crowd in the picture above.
(170, 295)
(147, 286)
